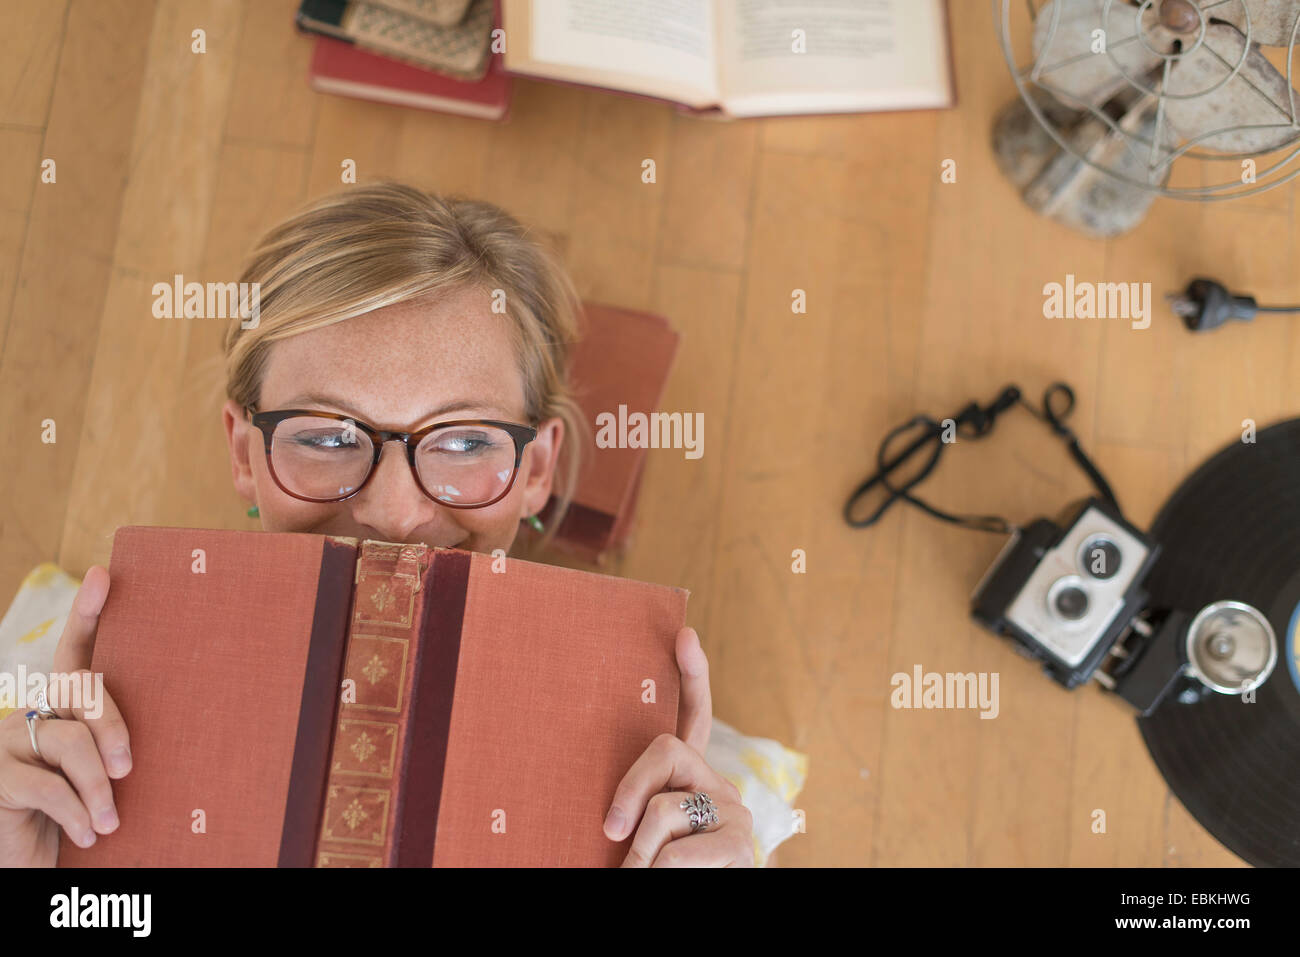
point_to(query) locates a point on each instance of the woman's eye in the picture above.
(461, 444)
(333, 439)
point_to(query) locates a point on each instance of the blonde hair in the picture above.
(373, 245)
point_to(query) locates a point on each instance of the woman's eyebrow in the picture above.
(315, 398)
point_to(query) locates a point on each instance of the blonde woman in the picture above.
(377, 351)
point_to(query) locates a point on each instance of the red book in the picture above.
(623, 359)
(344, 69)
(302, 700)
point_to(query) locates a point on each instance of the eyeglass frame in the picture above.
(266, 422)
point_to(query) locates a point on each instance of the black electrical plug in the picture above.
(1206, 304)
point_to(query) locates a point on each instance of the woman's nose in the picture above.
(392, 502)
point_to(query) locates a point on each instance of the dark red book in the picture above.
(622, 360)
(341, 68)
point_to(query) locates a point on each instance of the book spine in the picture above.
(312, 747)
(359, 825)
(437, 660)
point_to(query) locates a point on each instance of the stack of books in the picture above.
(428, 54)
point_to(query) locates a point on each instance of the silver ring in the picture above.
(43, 705)
(701, 812)
(32, 717)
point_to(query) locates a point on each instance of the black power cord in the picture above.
(1206, 304)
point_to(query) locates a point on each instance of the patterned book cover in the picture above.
(441, 13)
(360, 822)
(461, 51)
(301, 700)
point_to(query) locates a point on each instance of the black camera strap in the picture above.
(974, 421)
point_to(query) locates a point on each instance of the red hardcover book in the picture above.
(302, 700)
(623, 359)
(340, 68)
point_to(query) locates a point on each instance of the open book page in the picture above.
(662, 48)
(858, 55)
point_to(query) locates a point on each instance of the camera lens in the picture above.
(1068, 600)
(1101, 558)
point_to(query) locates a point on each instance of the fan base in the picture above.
(1058, 183)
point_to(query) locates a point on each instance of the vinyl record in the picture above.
(1232, 531)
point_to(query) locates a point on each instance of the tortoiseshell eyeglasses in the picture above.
(329, 457)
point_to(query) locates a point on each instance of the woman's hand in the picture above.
(67, 787)
(664, 837)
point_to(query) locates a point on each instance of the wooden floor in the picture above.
(921, 296)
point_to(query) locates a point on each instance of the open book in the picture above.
(308, 700)
(744, 57)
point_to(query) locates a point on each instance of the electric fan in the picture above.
(1115, 92)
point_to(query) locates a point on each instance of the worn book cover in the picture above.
(442, 13)
(344, 69)
(622, 361)
(460, 50)
(302, 700)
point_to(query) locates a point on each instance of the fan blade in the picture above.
(1257, 95)
(1063, 52)
(1271, 21)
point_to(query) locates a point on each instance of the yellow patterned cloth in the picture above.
(31, 628)
(768, 775)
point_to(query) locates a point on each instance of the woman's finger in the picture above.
(77, 643)
(78, 694)
(25, 786)
(727, 847)
(667, 763)
(70, 747)
(107, 726)
(665, 820)
(695, 704)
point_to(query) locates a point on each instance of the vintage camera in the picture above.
(1071, 595)
(1065, 593)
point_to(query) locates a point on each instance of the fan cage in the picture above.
(1029, 77)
